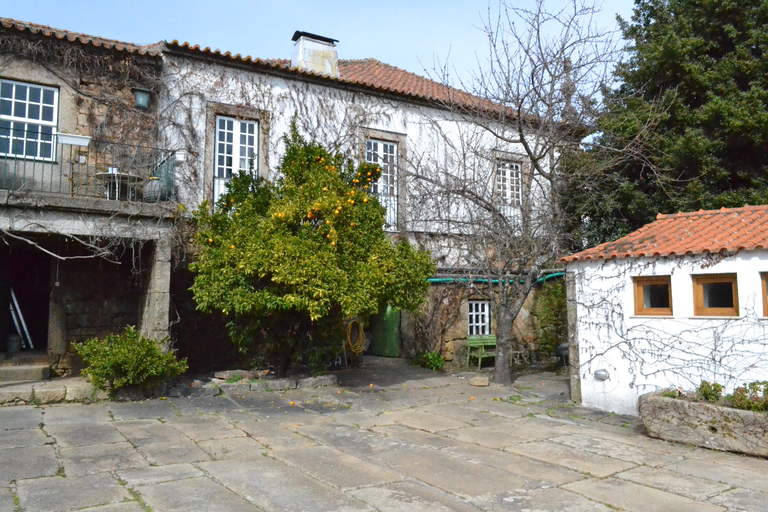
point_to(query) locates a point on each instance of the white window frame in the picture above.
(478, 318)
(27, 136)
(508, 183)
(236, 145)
(384, 154)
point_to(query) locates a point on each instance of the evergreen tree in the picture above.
(697, 73)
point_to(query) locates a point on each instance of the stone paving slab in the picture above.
(27, 462)
(425, 421)
(142, 432)
(71, 435)
(742, 500)
(670, 481)
(546, 474)
(193, 494)
(129, 506)
(349, 439)
(337, 468)
(100, 458)
(409, 437)
(448, 473)
(142, 410)
(158, 474)
(542, 500)
(59, 494)
(491, 438)
(629, 496)
(718, 472)
(21, 438)
(13, 418)
(279, 488)
(6, 500)
(173, 452)
(274, 436)
(610, 448)
(233, 448)
(585, 462)
(204, 427)
(65, 414)
(411, 496)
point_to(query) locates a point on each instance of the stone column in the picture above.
(156, 298)
(57, 315)
(573, 337)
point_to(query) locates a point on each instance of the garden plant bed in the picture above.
(705, 424)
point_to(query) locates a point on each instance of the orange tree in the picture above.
(288, 262)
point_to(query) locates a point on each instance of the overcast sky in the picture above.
(409, 34)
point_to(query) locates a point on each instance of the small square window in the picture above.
(478, 318)
(715, 295)
(653, 295)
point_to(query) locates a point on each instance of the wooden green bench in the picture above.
(481, 346)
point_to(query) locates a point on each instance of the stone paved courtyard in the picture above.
(391, 437)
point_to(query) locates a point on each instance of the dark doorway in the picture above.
(27, 271)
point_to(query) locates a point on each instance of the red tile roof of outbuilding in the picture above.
(728, 230)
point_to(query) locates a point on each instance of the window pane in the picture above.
(47, 113)
(21, 92)
(48, 97)
(19, 109)
(718, 295)
(656, 296)
(34, 112)
(34, 94)
(5, 107)
(6, 90)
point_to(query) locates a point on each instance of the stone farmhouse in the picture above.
(106, 145)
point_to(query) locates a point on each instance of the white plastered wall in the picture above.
(644, 353)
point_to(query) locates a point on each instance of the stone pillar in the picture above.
(57, 315)
(573, 337)
(155, 301)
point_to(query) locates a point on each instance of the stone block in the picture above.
(49, 393)
(480, 382)
(244, 374)
(11, 394)
(25, 372)
(317, 382)
(273, 385)
(703, 424)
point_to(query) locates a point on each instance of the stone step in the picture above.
(35, 371)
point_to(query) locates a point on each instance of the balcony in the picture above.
(77, 166)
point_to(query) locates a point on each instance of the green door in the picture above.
(385, 333)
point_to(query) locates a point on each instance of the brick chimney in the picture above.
(315, 53)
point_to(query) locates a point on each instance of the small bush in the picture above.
(551, 312)
(709, 391)
(431, 360)
(751, 397)
(128, 359)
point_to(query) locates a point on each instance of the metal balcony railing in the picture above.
(36, 161)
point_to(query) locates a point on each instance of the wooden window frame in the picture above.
(698, 294)
(224, 172)
(764, 286)
(638, 283)
(28, 130)
(384, 153)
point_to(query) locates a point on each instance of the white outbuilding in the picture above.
(680, 300)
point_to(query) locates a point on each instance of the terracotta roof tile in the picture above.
(152, 50)
(727, 230)
(368, 73)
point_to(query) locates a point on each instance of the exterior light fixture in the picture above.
(602, 375)
(141, 98)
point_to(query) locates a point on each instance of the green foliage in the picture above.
(289, 261)
(670, 393)
(551, 313)
(752, 396)
(431, 360)
(697, 70)
(709, 391)
(234, 378)
(127, 359)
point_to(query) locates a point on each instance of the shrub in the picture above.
(550, 311)
(128, 359)
(431, 360)
(752, 396)
(709, 391)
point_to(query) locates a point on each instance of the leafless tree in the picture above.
(495, 212)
